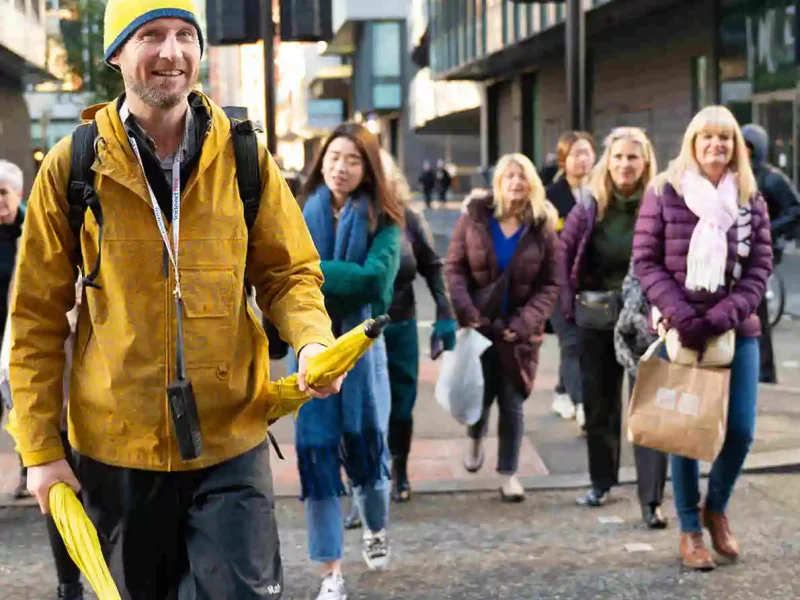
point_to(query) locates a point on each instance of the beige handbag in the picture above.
(719, 350)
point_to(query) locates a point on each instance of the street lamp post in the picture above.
(268, 37)
(576, 63)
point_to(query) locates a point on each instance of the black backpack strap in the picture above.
(81, 193)
(248, 172)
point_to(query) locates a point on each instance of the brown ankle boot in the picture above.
(694, 552)
(721, 536)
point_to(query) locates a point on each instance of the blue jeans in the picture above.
(324, 523)
(728, 465)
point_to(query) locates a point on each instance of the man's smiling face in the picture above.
(160, 63)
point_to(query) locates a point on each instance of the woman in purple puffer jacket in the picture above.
(702, 252)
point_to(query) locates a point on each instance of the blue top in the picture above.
(504, 248)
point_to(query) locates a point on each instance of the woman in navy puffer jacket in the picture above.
(702, 252)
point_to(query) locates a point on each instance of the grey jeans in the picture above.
(498, 385)
(569, 372)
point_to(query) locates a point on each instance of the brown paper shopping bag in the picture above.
(679, 409)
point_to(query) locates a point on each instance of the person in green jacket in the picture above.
(417, 255)
(356, 224)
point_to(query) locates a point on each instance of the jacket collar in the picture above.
(115, 158)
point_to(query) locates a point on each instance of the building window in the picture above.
(386, 49)
(387, 96)
(544, 17)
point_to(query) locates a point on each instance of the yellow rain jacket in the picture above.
(125, 344)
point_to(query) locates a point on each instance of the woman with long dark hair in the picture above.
(356, 225)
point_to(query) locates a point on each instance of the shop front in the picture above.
(758, 74)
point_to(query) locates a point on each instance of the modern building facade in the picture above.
(23, 59)
(650, 63)
(372, 38)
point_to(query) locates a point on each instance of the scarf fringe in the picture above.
(320, 472)
(362, 455)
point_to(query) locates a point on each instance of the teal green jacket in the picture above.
(349, 285)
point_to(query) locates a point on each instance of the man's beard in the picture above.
(155, 97)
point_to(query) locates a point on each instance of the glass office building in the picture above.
(757, 72)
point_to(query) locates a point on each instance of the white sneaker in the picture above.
(375, 549)
(332, 588)
(580, 416)
(563, 406)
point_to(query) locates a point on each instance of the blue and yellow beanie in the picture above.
(123, 17)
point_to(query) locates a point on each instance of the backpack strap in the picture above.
(81, 194)
(248, 172)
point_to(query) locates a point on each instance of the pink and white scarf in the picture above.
(718, 211)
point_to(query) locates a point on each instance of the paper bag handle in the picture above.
(651, 351)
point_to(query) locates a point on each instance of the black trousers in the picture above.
(498, 385)
(601, 377)
(66, 569)
(651, 471)
(768, 373)
(198, 535)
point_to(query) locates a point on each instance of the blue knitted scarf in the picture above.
(342, 429)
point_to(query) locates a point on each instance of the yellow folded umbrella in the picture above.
(333, 362)
(80, 538)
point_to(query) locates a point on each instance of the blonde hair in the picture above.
(722, 118)
(601, 185)
(396, 179)
(539, 208)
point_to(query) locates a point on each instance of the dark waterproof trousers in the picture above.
(602, 400)
(209, 534)
(67, 571)
(768, 373)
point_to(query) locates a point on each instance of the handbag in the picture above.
(597, 310)
(719, 350)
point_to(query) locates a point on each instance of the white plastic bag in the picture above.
(459, 389)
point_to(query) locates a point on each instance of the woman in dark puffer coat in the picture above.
(702, 252)
(594, 255)
(512, 229)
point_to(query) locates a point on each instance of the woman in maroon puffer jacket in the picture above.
(702, 252)
(514, 230)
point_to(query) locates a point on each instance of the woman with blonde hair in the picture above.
(501, 273)
(703, 254)
(576, 156)
(594, 255)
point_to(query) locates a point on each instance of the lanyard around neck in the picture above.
(172, 250)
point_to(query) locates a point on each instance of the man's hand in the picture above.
(42, 477)
(302, 359)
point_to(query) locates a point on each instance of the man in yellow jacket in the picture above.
(175, 249)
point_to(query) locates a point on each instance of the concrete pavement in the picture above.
(472, 547)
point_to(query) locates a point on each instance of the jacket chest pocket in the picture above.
(208, 292)
(209, 300)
